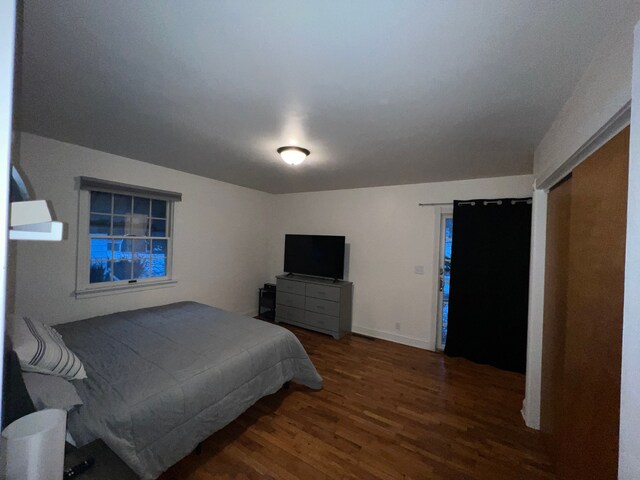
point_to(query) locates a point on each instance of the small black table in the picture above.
(108, 465)
(267, 299)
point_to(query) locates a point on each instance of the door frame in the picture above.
(7, 52)
(439, 213)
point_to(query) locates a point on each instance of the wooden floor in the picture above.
(387, 411)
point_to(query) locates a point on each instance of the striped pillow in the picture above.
(41, 349)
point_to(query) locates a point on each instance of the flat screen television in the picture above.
(317, 255)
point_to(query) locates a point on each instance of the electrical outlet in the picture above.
(418, 269)
(398, 326)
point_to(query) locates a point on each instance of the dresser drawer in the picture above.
(290, 286)
(318, 320)
(325, 307)
(322, 291)
(289, 314)
(290, 300)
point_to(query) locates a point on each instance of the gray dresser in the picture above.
(314, 303)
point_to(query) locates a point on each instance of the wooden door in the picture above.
(556, 287)
(582, 339)
(593, 345)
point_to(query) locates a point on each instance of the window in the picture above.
(125, 238)
(444, 230)
(445, 279)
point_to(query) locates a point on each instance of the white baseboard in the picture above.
(392, 337)
(530, 422)
(250, 313)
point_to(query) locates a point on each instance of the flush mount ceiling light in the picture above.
(293, 155)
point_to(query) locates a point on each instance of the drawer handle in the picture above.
(319, 307)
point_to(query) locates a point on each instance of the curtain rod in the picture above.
(434, 204)
(473, 202)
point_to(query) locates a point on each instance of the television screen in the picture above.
(318, 255)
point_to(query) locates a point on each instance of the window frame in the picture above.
(84, 287)
(446, 213)
(436, 308)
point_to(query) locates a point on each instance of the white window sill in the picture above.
(128, 288)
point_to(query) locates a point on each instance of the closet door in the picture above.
(555, 314)
(593, 336)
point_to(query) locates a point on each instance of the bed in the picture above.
(163, 379)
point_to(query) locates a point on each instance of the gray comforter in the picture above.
(161, 380)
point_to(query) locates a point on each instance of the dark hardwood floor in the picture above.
(387, 411)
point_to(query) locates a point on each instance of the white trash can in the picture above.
(33, 446)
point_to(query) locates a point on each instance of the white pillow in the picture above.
(50, 391)
(40, 349)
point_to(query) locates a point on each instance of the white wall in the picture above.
(389, 234)
(603, 90)
(219, 248)
(531, 405)
(629, 465)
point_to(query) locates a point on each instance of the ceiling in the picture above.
(382, 92)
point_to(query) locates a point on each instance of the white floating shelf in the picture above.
(31, 220)
(29, 212)
(45, 231)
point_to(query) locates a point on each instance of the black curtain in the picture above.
(489, 289)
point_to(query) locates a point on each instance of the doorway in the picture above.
(444, 275)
